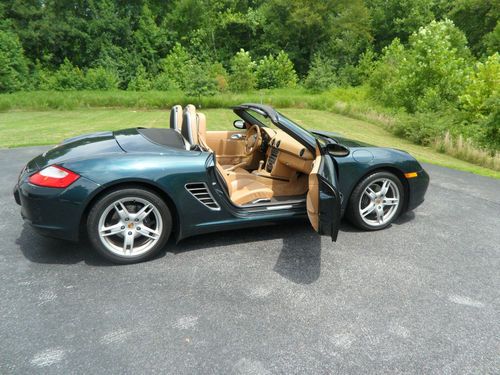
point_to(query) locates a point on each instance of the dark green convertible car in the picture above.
(130, 190)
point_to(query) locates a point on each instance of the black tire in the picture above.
(99, 208)
(353, 213)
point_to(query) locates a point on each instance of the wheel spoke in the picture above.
(128, 243)
(385, 187)
(112, 229)
(148, 232)
(390, 201)
(369, 191)
(367, 210)
(121, 210)
(144, 212)
(380, 215)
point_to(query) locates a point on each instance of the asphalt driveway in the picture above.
(419, 297)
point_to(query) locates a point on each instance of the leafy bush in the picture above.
(141, 81)
(13, 66)
(219, 73)
(480, 101)
(163, 82)
(200, 81)
(67, 77)
(101, 79)
(321, 75)
(275, 72)
(428, 74)
(242, 77)
(483, 85)
(177, 65)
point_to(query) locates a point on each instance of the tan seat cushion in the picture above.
(244, 191)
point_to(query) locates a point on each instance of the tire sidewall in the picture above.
(100, 206)
(353, 213)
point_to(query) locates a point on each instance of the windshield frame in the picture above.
(282, 122)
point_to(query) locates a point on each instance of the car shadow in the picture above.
(300, 257)
(46, 250)
(299, 260)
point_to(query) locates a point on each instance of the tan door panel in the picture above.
(312, 200)
(228, 150)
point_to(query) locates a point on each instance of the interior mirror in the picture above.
(239, 124)
(336, 149)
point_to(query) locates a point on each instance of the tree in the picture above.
(101, 78)
(141, 80)
(67, 77)
(321, 75)
(242, 77)
(177, 65)
(398, 19)
(13, 66)
(199, 81)
(428, 74)
(276, 72)
(478, 20)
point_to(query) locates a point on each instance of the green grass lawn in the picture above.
(51, 127)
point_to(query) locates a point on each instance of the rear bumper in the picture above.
(417, 188)
(54, 212)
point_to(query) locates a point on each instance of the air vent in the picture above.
(200, 191)
(301, 153)
(278, 144)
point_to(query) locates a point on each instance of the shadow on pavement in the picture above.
(299, 260)
(45, 250)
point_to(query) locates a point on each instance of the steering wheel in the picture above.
(253, 140)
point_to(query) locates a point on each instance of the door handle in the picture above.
(237, 136)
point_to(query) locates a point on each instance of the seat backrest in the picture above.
(176, 118)
(189, 126)
(201, 122)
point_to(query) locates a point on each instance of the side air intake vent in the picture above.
(200, 191)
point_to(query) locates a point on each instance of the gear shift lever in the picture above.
(261, 165)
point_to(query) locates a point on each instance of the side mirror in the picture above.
(336, 149)
(239, 124)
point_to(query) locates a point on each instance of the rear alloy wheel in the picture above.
(376, 201)
(129, 225)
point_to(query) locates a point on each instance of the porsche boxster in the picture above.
(130, 190)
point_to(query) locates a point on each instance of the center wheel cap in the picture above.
(131, 225)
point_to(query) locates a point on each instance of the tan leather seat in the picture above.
(241, 184)
(176, 118)
(243, 188)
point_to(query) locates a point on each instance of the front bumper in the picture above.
(54, 212)
(417, 188)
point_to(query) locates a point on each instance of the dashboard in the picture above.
(284, 154)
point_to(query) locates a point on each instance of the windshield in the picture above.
(296, 128)
(260, 117)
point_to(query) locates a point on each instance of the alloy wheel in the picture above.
(130, 226)
(379, 202)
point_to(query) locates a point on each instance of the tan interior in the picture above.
(287, 176)
(312, 199)
(228, 150)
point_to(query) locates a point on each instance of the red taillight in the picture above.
(54, 177)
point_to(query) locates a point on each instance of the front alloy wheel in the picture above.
(376, 201)
(129, 225)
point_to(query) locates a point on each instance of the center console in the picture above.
(271, 160)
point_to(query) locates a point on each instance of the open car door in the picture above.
(323, 201)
